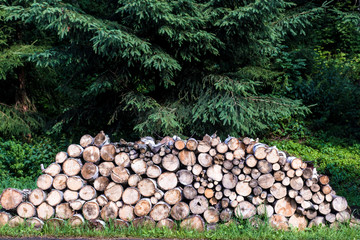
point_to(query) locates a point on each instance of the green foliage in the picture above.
(337, 158)
(22, 160)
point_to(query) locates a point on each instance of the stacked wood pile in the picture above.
(192, 181)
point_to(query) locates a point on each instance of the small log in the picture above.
(86, 140)
(198, 205)
(122, 159)
(205, 159)
(102, 200)
(330, 217)
(101, 183)
(324, 180)
(318, 198)
(77, 205)
(133, 180)
(53, 169)
(307, 173)
(318, 221)
(170, 163)
(35, 222)
(11, 198)
(75, 151)
(265, 209)
(214, 172)
(296, 183)
(324, 208)
(266, 181)
(75, 183)
(147, 187)
(105, 168)
(44, 182)
(187, 158)
(160, 211)
(278, 190)
(143, 207)
(120, 174)
(264, 166)
(72, 166)
(209, 193)
(139, 166)
(126, 213)
(295, 163)
(286, 181)
(63, 211)
(87, 193)
(131, 196)
(153, 171)
(290, 173)
(243, 189)
(167, 181)
(179, 145)
(196, 169)
(91, 210)
(61, 157)
(279, 176)
(76, 220)
(270, 198)
(245, 210)
(259, 151)
(211, 215)
(108, 152)
(70, 196)
(339, 204)
(315, 187)
(26, 210)
(185, 177)
(298, 221)
(54, 197)
(16, 221)
(191, 144)
(285, 206)
(109, 211)
(180, 211)
(276, 167)
(4, 218)
(96, 224)
(189, 192)
(250, 161)
(91, 154)
(173, 196)
(45, 211)
(90, 171)
(166, 223)
(326, 189)
(194, 222)
(144, 222)
(293, 193)
(279, 222)
(306, 193)
(229, 181)
(59, 181)
(114, 191)
(257, 191)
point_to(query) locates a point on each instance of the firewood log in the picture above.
(153, 171)
(173, 196)
(226, 215)
(109, 211)
(102, 200)
(285, 206)
(64, 211)
(194, 222)
(318, 221)
(35, 222)
(71, 167)
(147, 187)
(131, 196)
(324, 179)
(122, 159)
(75, 151)
(298, 221)
(245, 210)
(86, 140)
(295, 163)
(91, 210)
(75, 183)
(87, 193)
(191, 144)
(264, 166)
(166, 223)
(187, 158)
(77, 205)
(143, 207)
(279, 176)
(70, 196)
(214, 172)
(318, 197)
(44, 182)
(259, 151)
(45, 211)
(167, 181)
(107, 152)
(339, 204)
(54, 197)
(250, 161)
(330, 217)
(265, 209)
(211, 215)
(11, 198)
(61, 157)
(105, 168)
(170, 163)
(96, 224)
(144, 222)
(139, 166)
(52, 170)
(26, 210)
(243, 188)
(76, 220)
(160, 211)
(91, 154)
(4, 218)
(114, 191)
(120, 174)
(198, 205)
(126, 213)
(203, 147)
(59, 181)
(266, 181)
(278, 190)
(101, 183)
(90, 171)
(16, 221)
(278, 221)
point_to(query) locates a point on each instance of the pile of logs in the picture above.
(191, 181)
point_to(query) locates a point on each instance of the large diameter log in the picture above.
(107, 152)
(86, 140)
(54, 197)
(198, 205)
(222, 148)
(229, 181)
(278, 190)
(113, 191)
(4, 218)
(44, 182)
(45, 211)
(298, 221)
(53, 169)
(343, 216)
(211, 215)
(167, 181)
(131, 196)
(243, 188)
(147, 187)
(101, 183)
(139, 166)
(153, 171)
(26, 210)
(64, 211)
(90, 171)
(122, 159)
(285, 206)
(109, 211)
(59, 182)
(187, 158)
(170, 163)
(61, 157)
(245, 210)
(185, 177)
(105, 168)
(72, 166)
(11, 198)
(142, 207)
(91, 210)
(278, 221)
(339, 204)
(215, 172)
(173, 196)
(126, 213)
(91, 154)
(87, 193)
(266, 181)
(75, 183)
(180, 211)
(194, 222)
(160, 211)
(76, 220)
(205, 159)
(120, 174)
(75, 151)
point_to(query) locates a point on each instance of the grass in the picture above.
(238, 230)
